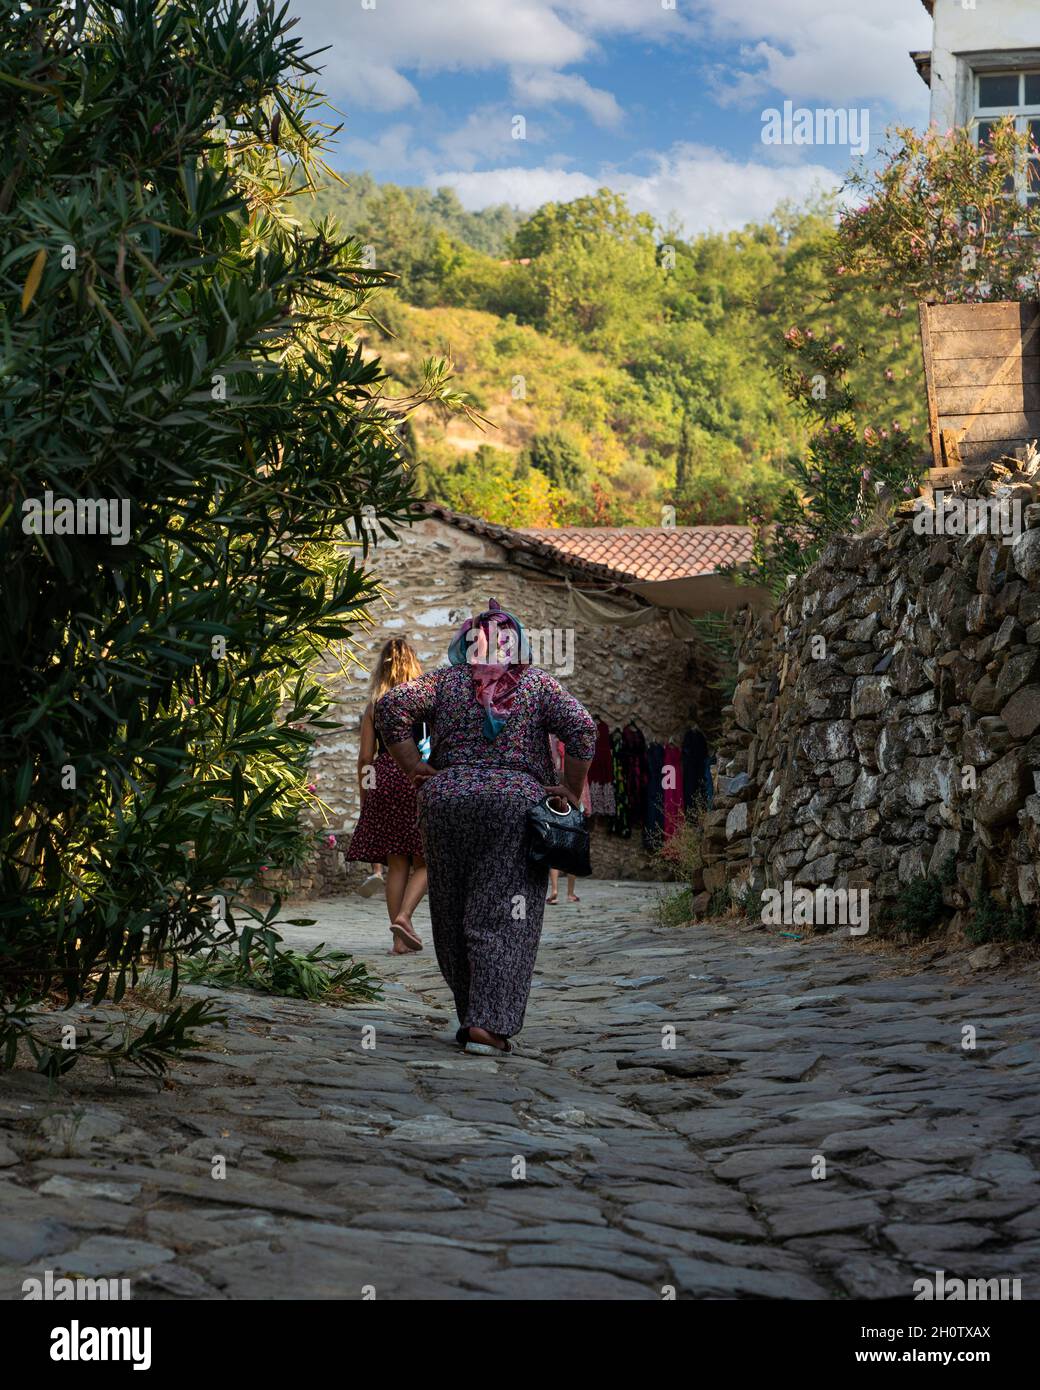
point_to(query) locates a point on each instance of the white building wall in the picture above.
(976, 35)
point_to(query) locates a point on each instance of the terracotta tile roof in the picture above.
(653, 552)
(615, 553)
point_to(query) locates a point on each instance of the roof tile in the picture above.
(617, 553)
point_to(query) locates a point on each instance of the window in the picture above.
(1018, 94)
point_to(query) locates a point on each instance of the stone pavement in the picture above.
(595, 1163)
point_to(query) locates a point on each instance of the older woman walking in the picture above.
(490, 713)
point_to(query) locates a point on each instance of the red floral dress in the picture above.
(389, 820)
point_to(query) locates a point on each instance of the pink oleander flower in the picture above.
(331, 841)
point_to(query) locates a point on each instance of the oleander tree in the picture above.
(189, 432)
(948, 216)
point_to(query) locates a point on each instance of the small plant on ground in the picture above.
(992, 922)
(676, 909)
(257, 963)
(681, 857)
(919, 909)
(719, 903)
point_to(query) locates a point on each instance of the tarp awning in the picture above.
(698, 594)
(681, 600)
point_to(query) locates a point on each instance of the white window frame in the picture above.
(1022, 113)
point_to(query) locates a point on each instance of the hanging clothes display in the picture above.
(622, 822)
(601, 774)
(653, 819)
(633, 782)
(673, 790)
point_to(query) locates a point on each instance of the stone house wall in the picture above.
(886, 717)
(433, 579)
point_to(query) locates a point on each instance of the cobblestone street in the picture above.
(593, 1163)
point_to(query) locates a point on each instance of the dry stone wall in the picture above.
(886, 721)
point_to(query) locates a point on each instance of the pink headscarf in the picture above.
(494, 682)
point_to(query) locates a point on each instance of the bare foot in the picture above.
(481, 1035)
(573, 898)
(551, 898)
(405, 937)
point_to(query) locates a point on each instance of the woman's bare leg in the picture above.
(402, 898)
(396, 878)
(554, 885)
(414, 893)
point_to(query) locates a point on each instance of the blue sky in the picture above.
(661, 99)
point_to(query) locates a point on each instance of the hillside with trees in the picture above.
(618, 367)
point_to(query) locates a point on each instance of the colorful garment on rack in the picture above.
(673, 790)
(601, 774)
(696, 767)
(653, 820)
(637, 772)
(622, 822)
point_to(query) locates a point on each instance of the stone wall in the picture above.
(885, 720)
(434, 578)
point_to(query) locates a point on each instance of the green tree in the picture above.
(177, 352)
(593, 260)
(558, 458)
(683, 456)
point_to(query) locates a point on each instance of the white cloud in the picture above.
(817, 50)
(704, 189)
(526, 188)
(485, 135)
(423, 37)
(392, 150)
(547, 88)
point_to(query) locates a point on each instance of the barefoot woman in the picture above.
(490, 713)
(387, 830)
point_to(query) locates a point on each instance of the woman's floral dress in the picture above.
(486, 901)
(389, 819)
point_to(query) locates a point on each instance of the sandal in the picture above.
(479, 1049)
(476, 1049)
(550, 899)
(406, 937)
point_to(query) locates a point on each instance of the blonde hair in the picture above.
(397, 663)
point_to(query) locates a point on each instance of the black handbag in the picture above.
(558, 839)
